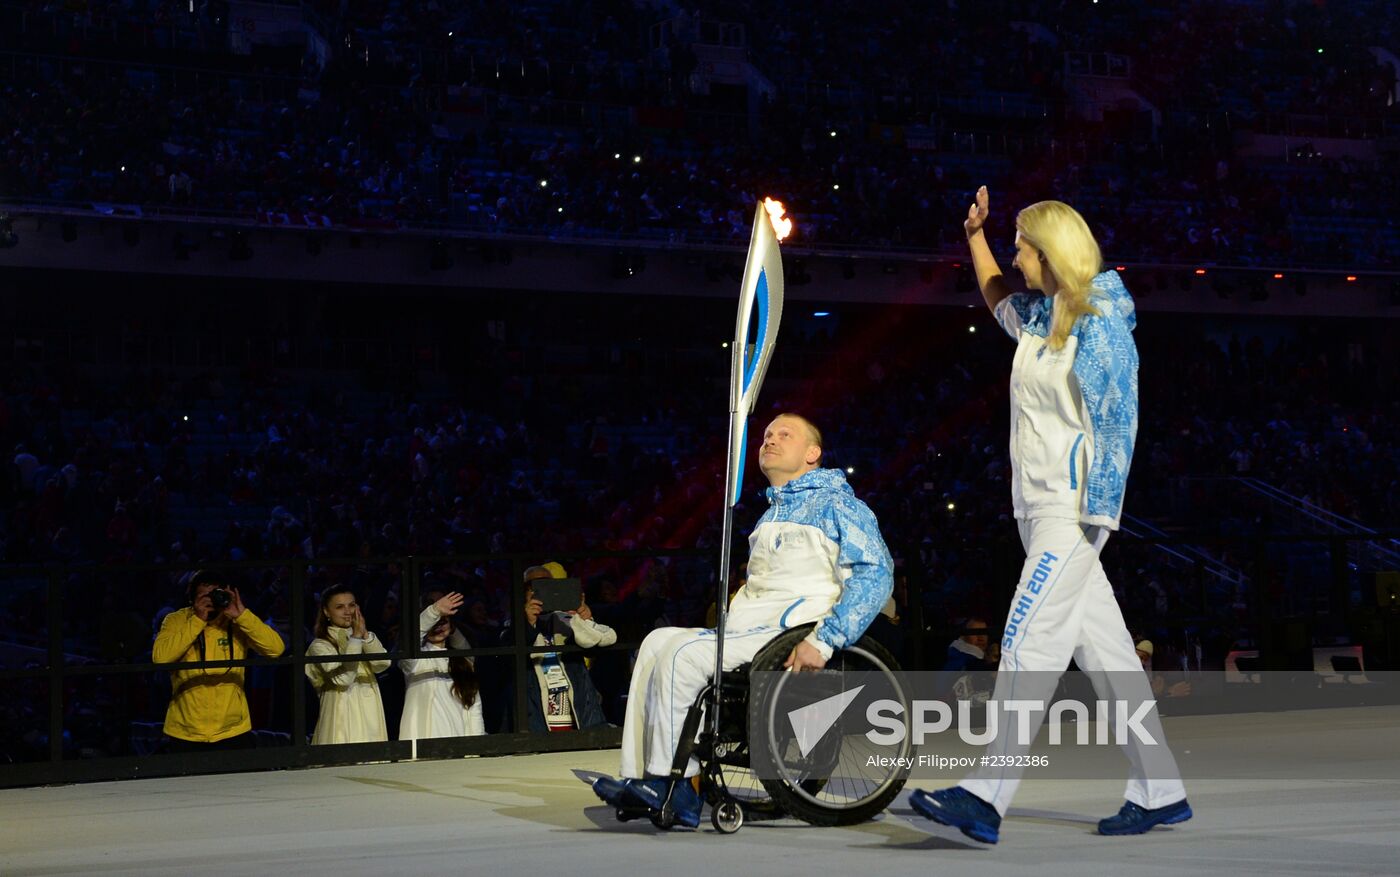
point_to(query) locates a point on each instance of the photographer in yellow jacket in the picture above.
(208, 708)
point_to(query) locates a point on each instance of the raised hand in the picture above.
(235, 605)
(533, 608)
(357, 624)
(977, 213)
(449, 604)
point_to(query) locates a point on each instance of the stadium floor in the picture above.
(532, 815)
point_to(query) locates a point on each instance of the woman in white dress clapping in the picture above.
(351, 708)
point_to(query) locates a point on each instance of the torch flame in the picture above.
(782, 227)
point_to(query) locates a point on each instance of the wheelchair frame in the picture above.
(726, 744)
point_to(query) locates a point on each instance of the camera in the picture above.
(220, 598)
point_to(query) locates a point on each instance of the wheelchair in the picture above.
(828, 786)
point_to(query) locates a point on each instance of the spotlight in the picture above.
(70, 231)
(131, 233)
(239, 249)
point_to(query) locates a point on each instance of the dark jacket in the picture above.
(587, 705)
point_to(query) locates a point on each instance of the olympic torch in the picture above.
(755, 332)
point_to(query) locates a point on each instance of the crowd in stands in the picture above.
(571, 120)
(531, 462)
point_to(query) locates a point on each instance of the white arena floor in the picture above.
(532, 815)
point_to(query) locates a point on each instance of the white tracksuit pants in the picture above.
(1064, 608)
(673, 665)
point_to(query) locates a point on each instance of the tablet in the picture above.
(558, 595)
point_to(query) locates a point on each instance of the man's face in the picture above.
(975, 634)
(787, 450)
(203, 605)
(529, 588)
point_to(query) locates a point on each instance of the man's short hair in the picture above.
(197, 578)
(815, 434)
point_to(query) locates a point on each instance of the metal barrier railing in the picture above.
(61, 669)
(1334, 600)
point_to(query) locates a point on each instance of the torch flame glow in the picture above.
(782, 227)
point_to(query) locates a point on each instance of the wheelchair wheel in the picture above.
(833, 784)
(727, 817)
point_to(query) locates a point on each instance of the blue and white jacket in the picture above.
(816, 555)
(1074, 412)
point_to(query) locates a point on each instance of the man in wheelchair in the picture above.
(815, 556)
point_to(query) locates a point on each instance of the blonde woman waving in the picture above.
(1074, 412)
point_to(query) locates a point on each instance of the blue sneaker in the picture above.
(961, 809)
(1132, 819)
(652, 793)
(610, 790)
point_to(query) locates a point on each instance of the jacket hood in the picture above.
(1110, 286)
(817, 479)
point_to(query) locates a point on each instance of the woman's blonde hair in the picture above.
(1070, 253)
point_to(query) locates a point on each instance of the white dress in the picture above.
(351, 708)
(430, 709)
